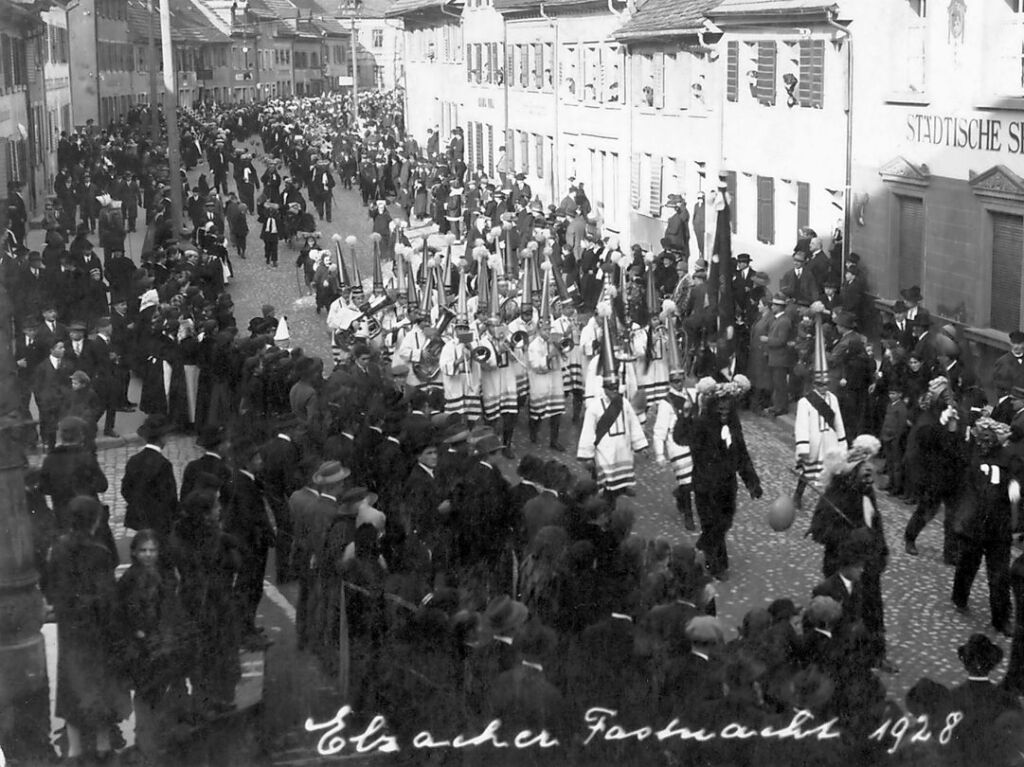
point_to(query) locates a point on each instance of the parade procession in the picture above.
(339, 427)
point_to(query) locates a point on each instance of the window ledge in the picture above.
(907, 97)
(1008, 103)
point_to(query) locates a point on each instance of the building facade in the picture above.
(483, 106)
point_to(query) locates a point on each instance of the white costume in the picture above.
(461, 378)
(547, 394)
(814, 437)
(613, 452)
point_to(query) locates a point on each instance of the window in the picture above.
(378, 38)
(766, 63)
(811, 87)
(548, 58)
(378, 77)
(678, 80)
(1007, 247)
(803, 204)
(766, 209)
(537, 68)
(568, 77)
(732, 77)
(655, 175)
(523, 52)
(1008, 37)
(910, 239)
(635, 171)
(914, 43)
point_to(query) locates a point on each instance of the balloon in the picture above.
(782, 514)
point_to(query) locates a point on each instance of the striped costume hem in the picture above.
(522, 385)
(812, 470)
(616, 477)
(468, 406)
(546, 408)
(682, 467)
(506, 404)
(655, 391)
(572, 377)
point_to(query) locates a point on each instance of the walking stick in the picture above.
(821, 497)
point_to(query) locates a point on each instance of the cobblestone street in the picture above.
(924, 630)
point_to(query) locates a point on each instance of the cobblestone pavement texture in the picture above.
(924, 631)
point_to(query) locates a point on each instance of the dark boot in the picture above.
(685, 507)
(508, 428)
(798, 494)
(556, 427)
(577, 406)
(534, 427)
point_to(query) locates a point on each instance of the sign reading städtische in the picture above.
(981, 133)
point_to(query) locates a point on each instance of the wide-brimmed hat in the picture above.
(980, 655)
(845, 319)
(489, 444)
(912, 294)
(154, 427)
(330, 472)
(674, 199)
(358, 495)
(504, 615)
(211, 436)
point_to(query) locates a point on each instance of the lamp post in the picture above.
(171, 115)
(355, 5)
(24, 689)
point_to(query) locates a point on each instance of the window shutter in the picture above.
(659, 80)
(538, 65)
(803, 204)
(469, 146)
(469, 66)
(480, 149)
(510, 149)
(910, 223)
(1007, 251)
(811, 87)
(490, 150)
(637, 78)
(538, 141)
(654, 201)
(732, 76)
(524, 145)
(766, 209)
(730, 187)
(510, 65)
(766, 63)
(634, 182)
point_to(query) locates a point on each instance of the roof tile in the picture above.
(660, 18)
(729, 7)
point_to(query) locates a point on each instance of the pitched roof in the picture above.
(406, 7)
(188, 24)
(514, 6)
(666, 18)
(274, 9)
(772, 7)
(368, 9)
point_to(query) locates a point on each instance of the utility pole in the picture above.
(355, 66)
(171, 115)
(154, 114)
(24, 689)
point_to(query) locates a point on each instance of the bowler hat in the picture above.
(1017, 337)
(899, 307)
(979, 655)
(779, 299)
(489, 444)
(912, 294)
(846, 320)
(211, 436)
(743, 258)
(154, 427)
(504, 615)
(358, 495)
(783, 609)
(705, 630)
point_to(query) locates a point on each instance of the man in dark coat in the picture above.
(698, 223)
(480, 509)
(148, 486)
(780, 354)
(212, 439)
(321, 190)
(279, 476)
(847, 508)
(984, 522)
(719, 455)
(677, 230)
(99, 361)
(17, 214)
(799, 284)
(248, 518)
(51, 383)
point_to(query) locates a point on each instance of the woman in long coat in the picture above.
(208, 561)
(757, 361)
(149, 619)
(420, 200)
(91, 696)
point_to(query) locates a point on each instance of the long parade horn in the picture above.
(378, 271)
(343, 277)
(673, 353)
(494, 265)
(412, 295)
(357, 280)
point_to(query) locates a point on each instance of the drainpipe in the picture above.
(848, 107)
(505, 142)
(556, 154)
(613, 12)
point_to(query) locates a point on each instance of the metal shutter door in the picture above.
(1007, 254)
(911, 241)
(803, 204)
(766, 209)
